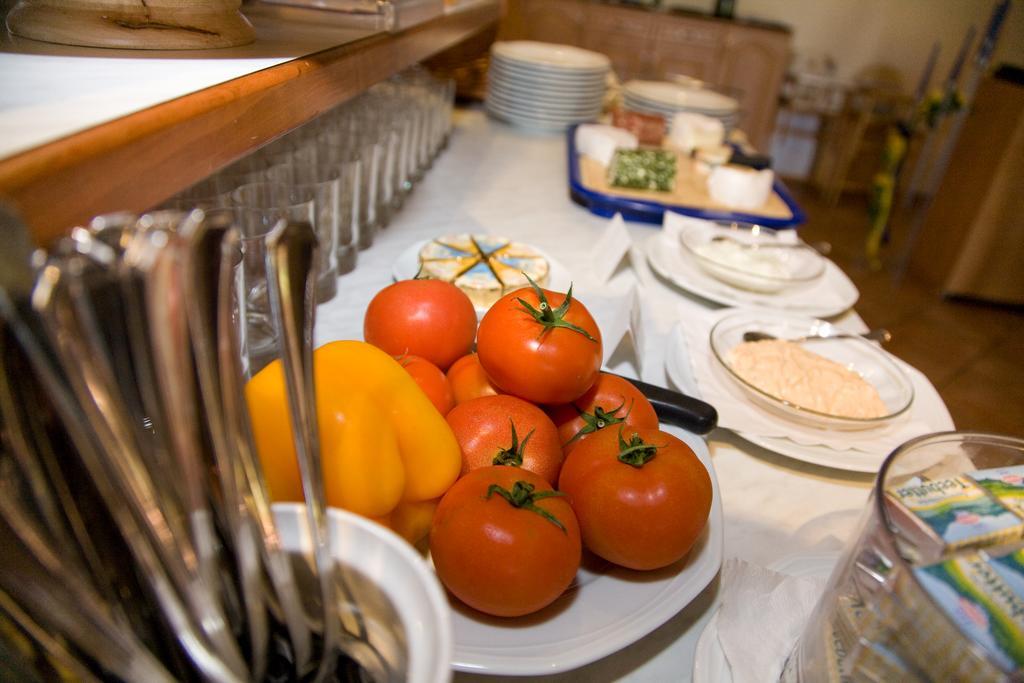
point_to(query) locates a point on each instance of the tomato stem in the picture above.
(548, 317)
(635, 452)
(522, 496)
(513, 455)
(599, 419)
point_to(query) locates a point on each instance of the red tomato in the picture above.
(427, 318)
(502, 557)
(431, 380)
(505, 430)
(643, 515)
(527, 348)
(613, 400)
(468, 379)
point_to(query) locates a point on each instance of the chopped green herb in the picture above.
(643, 169)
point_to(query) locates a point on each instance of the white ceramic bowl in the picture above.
(863, 357)
(389, 579)
(752, 257)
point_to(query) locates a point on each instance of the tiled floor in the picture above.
(973, 353)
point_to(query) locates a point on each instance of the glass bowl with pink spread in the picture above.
(810, 371)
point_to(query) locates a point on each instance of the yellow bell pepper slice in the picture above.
(381, 439)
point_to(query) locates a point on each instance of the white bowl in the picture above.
(388, 579)
(855, 353)
(762, 260)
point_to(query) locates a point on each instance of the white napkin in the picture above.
(611, 248)
(738, 412)
(611, 308)
(763, 614)
(599, 141)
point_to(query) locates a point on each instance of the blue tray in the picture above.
(648, 211)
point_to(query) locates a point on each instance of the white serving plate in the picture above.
(405, 578)
(610, 609)
(524, 76)
(552, 76)
(537, 93)
(633, 103)
(678, 97)
(679, 268)
(927, 407)
(559, 122)
(564, 107)
(709, 662)
(551, 55)
(549, 84)
(528, 124)
(408, 264)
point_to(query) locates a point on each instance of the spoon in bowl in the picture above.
(880, 335)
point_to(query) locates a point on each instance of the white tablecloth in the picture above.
(496, 179)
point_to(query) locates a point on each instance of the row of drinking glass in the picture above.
(346, 173)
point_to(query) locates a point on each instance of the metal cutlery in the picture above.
(176, 561)
(203, 235)
(125, 442)
(880, 335)
(291, 251)
(291, 275)
(823, 248)
(288, 604)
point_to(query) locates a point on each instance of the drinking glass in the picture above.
(313, 201)
(875, 620)
(258, 208)
(356, 163)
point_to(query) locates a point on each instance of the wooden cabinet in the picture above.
(744, 60)
(972, 240)
(554, 22)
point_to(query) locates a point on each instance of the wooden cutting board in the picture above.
(690, 190)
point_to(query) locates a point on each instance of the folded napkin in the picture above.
(599, 141)
(738, 412)
(762, 616)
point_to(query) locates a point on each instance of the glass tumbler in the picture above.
(258, 207)
(883, 615)
(310, 202)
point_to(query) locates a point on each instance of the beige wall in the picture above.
(859, 33)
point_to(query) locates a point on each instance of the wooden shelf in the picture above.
(136, 161)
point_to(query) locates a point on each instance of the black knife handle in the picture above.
(674, 408)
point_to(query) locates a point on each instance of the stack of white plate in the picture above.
(545, 86)
(666, 99)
